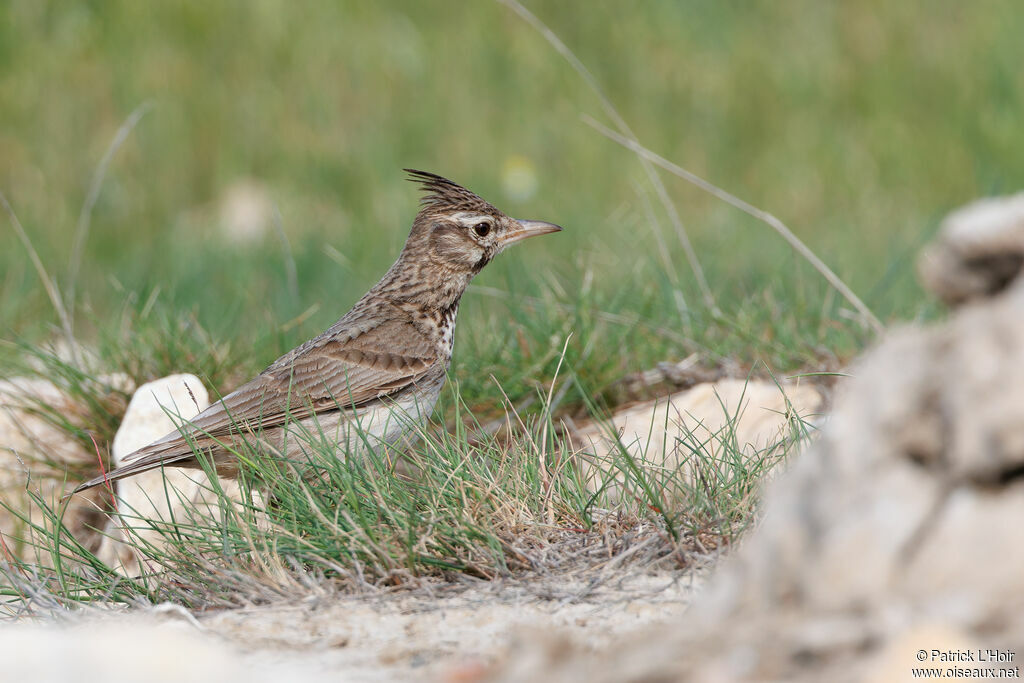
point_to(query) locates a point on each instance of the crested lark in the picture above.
(380, 367)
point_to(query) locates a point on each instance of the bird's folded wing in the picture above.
(325, 374)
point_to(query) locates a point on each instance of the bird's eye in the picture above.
(482, 228)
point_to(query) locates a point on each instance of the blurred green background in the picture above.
(859, 124)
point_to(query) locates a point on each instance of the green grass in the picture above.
(475, 504)
(859, 125)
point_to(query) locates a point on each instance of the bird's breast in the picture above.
(446, 329)
(447, 340)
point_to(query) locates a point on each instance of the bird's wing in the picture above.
(331, 372)
(336, 372)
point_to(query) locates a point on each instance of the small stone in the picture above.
(246, 212)
(165, 495)
(752, 415)
(35, 453)
(979, 250)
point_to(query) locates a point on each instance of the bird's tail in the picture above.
(143, 460)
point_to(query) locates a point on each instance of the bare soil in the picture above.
(451, 632)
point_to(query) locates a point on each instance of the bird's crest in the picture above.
(441, 194)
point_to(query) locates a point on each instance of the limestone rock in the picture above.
(36, 455)
(157, 408)
(897, 530)
(904, 513)
(751, 416)
(979, 251)
(25, 432)
(138, 648)
(246, 212)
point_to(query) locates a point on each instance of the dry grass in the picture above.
(478, 506)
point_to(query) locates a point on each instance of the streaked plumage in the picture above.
(382, 365)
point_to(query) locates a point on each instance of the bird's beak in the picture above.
(524, 229)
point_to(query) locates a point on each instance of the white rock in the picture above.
(36, 453)
(898, 531)
(170, 494)
(246, 212)
(25, 433)
(156, 409)
(978, 252)
(711, 418)
(133, 648)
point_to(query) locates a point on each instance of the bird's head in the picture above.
(459, 231)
